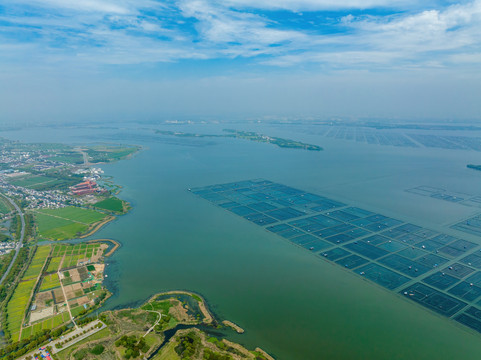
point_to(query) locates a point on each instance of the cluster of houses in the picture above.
(7, 246)
(39, 199)
(18, 159)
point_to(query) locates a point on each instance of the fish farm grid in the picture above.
(438, 271)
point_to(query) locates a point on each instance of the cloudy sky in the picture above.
(145, 59)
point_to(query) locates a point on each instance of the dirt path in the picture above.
(66, 300)
(152, 328)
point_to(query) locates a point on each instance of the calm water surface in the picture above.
(291, 303)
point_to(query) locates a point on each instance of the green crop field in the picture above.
(50, 282)
(17, 306)
(4, 206)
(71, 157)
(33, 181)
(77, 310)
(65, 223)
(54, 264)
(49, 323)
(37, 262)
(78, 252)
(85, 216)
(109, 154)
(111, 204)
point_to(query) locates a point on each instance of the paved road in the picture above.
(20, 241)
(152, 328)
(91, 329)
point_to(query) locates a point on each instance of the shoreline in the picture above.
(208, 317)
(233, 326)
(96, 227)
(112, 241)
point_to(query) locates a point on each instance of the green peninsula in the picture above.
(248, 135)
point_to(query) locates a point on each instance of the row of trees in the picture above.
(22, 347)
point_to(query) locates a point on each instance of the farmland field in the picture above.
(71, 157)
(65, 223)
(77, 310)
(50, 323)
(73, 213)
(78, 252)
(54, 264)
(109, 154)
(111, 204)
(58, 229)
(17, 306)
(50, 282)
(4, 206)
(37, 263)
(33, 181)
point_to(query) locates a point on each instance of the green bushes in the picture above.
(132, 345)
(187, 345)
(97, 349)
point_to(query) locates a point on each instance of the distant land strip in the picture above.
(474, 167)
(248, 135)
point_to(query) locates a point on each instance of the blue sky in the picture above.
(147, 58)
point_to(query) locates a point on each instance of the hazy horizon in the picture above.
(102, 60)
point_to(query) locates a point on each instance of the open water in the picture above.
(290, 302)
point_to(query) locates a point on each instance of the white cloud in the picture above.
(221, 25)
(456, 27)
(99, 6)
(310, 5)
(120, 32)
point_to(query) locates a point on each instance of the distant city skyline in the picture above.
(141, 59)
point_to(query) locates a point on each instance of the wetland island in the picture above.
(248, 135)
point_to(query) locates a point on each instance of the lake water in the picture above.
(290, 302)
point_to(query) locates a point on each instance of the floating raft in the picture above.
(437, 271)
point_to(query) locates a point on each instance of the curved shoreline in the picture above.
(112, 241)
(208, 318)
(96, 227)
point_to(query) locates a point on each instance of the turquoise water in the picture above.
(291, 303)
